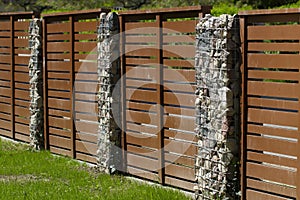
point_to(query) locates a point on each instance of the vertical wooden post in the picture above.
(244, 115)
(72, 88)
(123, 91)
(45, 87)
(298, 143)
(160, 99)
(12, 71)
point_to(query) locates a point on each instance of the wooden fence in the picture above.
(158, 49)
(70, 83)
(14, 75)
(271, 139)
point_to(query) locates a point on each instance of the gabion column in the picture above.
(218, 60)
(109, 134)
(36, 85)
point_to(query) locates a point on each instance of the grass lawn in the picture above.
(39, 175)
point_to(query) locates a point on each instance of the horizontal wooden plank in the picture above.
(180, 122)
(142, 140)
(23, 129)
(22, 60)
(141, 106)
(180, 171)
(86, 147)
(139, 84)
(180, 147)
(86, 36)
(284, 61)
(271, 187)
(273, 117)
(6, 67)
(66, 94)
(278, 46)
(179, 99)
(5, 25)
(60, 151)
(81, 86)
(22, 77)
(5, 124)
(58, 56)
(186, 26)
(273, 89)
(274, 32)
(22, 120)
(58, 113)
(58, 37)
(141, 117)
(59, 142)
(179, 38)
(86, 107)
(85, 26)
(142, 173)
(189, 88)
(272, 103)
(180, 159)
(266, 172)
(24, 112)
(58, 27)
(5, 116)
(23, 103)
(86, 56)
(5, 42)
(141, 128)
(260, 143)
(4, 50)
(22, 94)
(86, 127)
(141, 50)
(140, 27)
(140, 39)
(21, 137)
(4, 83)
(5, 133)
(140, 62)
(87, 117)
(92, 138)
(59, 104)
(59, 66)
(85, 97)
(59, 84)
(179, 51)
(58, 46)
(179, 111)
(142, 151)
(274, 75)
(5, 91)
(22, 67)
(142, 162)
(5, 58)
(179, 75)
(85, 46)
(6, 108)
(140, 72)
(22, 85)
(141, 95)
(252, 194)
(272, 159)
(186, 185)
(180, 135)
(275, 131)
(58, 75)
(64, 123)
(86, 76)
(21, 25)
(59, 132)
(86, 158)
(85, 67)
(21, 42)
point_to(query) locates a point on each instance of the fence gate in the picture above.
(271, 95)
(158, 49)
(14, 75)
(70, 83)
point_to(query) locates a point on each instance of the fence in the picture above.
(14, 75)
(159, 84)
(270, 143)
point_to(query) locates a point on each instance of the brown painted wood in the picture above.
(86, 147)
(288, 61)
(60, 142)
(12, 85)
(142, 162)
(180, 183)
(273, 131)
(180, 172)
(252, 194)
(142, 140)
(186, 26)
(278, 46)
(276, 32)
(85, 26)
(180, 147)
(274, 75)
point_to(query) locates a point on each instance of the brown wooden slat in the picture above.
(82, 76)
(5, 116)
(22, 94)
(140, 50)
(275, 32)
(142, 162)
(22, 137)
(142, 151)
(140, 72)
(280, 46)
(179, 122)
(60, 122)
(179, 99)
(87, 158)
(86, 46)
(21, 43)
(58, 113)
(179, 75)
(140, 62)
(85, 67)
(142, 140)
(24, 112)
(141, 128)
(59, 84)
(21, 128)
(57, 56)
(6, 108)
(259, 143)
(58, 66)
(140, 39)
(275, 75)
(180, 159)
(58, 28)
(22, 60)
(5, 42)
(5, 67)
(5, 91)
(5, 133)
(179, 38)
(85, 97)
(21, 25)
(272, 103)
(59, 94)
(22, 51)
(22, 120)
(58, 46)
(5, 58)
(180, 135)
(4, 83)
(59, 132)
(180, 183)
(273, 117)
(60, 151)
(252, 194)
(22, 103)
(141, 106)
(180, 87)
(85, 26)
(57, 75)
(180, 171)
(141, 117)
(141, 95)
(271, 187)
(138, 84)
(260, 157)
(179, 51)
(285, 61)
(86, 147)
(140, 27)
(179, 111)
(187, 26)
(5, 124)
(142, 173)
(59, 142)
(86, 57)
(23, 77)
(86, 107)
(272, 131)
(23, 85)
(86, 86)
(22, 67)
(4, 49)
(87, 36)
(265, 172)
(57, 37)
(180, 147)
(86, 127)
(5, 25)
(93, 138)
(274, 89)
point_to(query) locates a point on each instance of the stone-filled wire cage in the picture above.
(218, 60)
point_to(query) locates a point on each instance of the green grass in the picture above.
(25, 174)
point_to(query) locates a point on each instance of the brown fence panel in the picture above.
(158, 94)
(271, 104)
(14, 75)
(70, 42)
